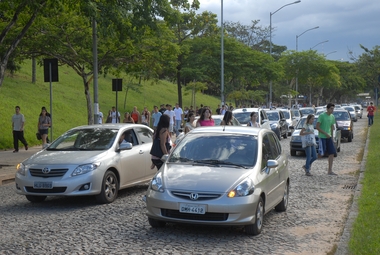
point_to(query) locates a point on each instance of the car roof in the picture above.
(230, 130)
(247, 109)
(111, 126)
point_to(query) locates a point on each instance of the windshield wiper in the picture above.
(180, 159)
(218, 162)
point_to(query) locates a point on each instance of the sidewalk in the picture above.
(9, 161)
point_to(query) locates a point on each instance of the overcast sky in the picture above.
(344, 23)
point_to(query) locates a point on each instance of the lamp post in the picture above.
(297, 69)
(330, 53)
(270, 44)
(318, 44)
(221, 55)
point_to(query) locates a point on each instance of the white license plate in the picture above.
(43, 185)
(192, 208)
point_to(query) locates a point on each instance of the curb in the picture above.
(343, 248)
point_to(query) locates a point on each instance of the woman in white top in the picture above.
(189, 124)
(310, 149)
(253, 122)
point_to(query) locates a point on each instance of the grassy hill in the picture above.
(69, 102)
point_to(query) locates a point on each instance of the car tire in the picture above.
(156, 223)
(110, 188)
(293, 152)
(283, 205)
(35, 199)
(350, 138)
(255, 229)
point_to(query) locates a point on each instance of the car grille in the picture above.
(53, 172)
(189, 216)
(53, 190)
(201, 196)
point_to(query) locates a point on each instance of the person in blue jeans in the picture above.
(310, 150)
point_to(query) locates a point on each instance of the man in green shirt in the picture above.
(325, 126)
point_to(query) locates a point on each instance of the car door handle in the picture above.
(141, 152)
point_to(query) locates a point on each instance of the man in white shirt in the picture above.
(178, 118)
(171, 114)
(18, 121)
(100, 118)
(114, 114)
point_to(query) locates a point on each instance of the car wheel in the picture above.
(35, 199)
(110, 187)
(293, 153)
(156, 223)
(350, 138)
(283, 205)
(255, 229)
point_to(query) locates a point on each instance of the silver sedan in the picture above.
(88, 160)
(222, 175)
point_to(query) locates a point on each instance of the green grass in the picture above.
(365, 236)
(69, 102)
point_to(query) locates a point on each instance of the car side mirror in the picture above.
(125, 146)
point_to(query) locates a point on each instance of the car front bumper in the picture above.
(220, 211)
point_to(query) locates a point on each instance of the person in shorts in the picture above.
(325, 127)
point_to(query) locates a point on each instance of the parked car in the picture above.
(358, 110)
(278, 123)
(296, 143)
(344, 123)
(88, 160)
(243, 115)
(292, 121)
(307, 110)
(221, 176)
(352, 112)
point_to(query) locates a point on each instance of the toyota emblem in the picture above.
(193, 196)
(45, 170)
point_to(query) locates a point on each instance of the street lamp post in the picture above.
(296, 51)
(330, 53)
(318, 44)
(222, 55)
(270, 44)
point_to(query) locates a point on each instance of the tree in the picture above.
(16, 17)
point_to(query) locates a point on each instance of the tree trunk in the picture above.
(90, 115)
(34, 75)
(179, 87)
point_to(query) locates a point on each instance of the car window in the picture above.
(243, 117)
(274, 147)
(273, 116)
(145, 135)
(266, 152)
(85, 139)
(236, 149)
(296, 113)
(287, 115)
(341, 115)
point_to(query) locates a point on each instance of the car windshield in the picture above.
(273, 116)
(302, 121)
(341, 115)
(85, 139)
(350, 109)
(218, 149)
(287, 114)
(296, 113)
(243, 117)
(307, 111)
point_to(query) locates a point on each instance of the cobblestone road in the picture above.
(313, 223)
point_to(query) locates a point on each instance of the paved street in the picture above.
(313, 223)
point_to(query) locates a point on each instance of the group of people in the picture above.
(18, 123)
(325, 127)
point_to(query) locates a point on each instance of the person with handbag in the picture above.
(44, 122)
(161, 141)
(308, 142)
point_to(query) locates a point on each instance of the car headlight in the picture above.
(21, 169)
(296, 138)
(244, 188)
(156, 183)
(83, 169)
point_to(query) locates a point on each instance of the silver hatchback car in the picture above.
(89, 160)
(222, 175)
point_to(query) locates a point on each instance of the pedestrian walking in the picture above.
(156, 116)
(178, 118)
(308, 143)
(325, 127)
(171, 115)
(18, 122)
(44, 122)
(161, 141)
(370, 112)
(115, 115)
